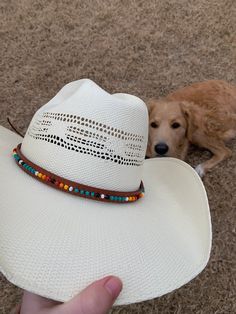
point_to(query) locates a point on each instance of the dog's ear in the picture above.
(192, 117)
(151, 103)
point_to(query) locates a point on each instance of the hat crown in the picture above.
(89, 136)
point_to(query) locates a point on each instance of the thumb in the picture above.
(97, 298)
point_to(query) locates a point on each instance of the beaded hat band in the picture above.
(73, 187)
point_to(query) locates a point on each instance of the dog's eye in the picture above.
(175, 125)
(154, 125)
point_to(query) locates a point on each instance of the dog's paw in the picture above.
(200, 170)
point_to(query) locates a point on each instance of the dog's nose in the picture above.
(161, 148)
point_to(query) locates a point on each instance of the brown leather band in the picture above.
(54, 179)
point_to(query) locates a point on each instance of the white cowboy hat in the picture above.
(91, 145)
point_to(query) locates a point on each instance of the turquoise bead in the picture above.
(92, 194)
(87, 193)
(76, 190)
(81, 191)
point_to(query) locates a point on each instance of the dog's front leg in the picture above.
(220, 152)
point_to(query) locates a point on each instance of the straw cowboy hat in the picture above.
(78, 201)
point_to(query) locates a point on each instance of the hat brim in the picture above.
(55, 244)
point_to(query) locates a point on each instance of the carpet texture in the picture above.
(147, 48)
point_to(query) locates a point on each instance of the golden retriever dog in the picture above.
(203, 114)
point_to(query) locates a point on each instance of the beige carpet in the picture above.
(147, 48)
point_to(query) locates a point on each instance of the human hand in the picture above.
(97, 298)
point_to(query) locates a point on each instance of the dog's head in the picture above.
(169, 128)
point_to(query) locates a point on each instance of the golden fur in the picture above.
(203, 114)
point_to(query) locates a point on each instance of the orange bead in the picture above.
(61, 185)
(44, 177)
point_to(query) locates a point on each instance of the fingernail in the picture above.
(113, 285)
